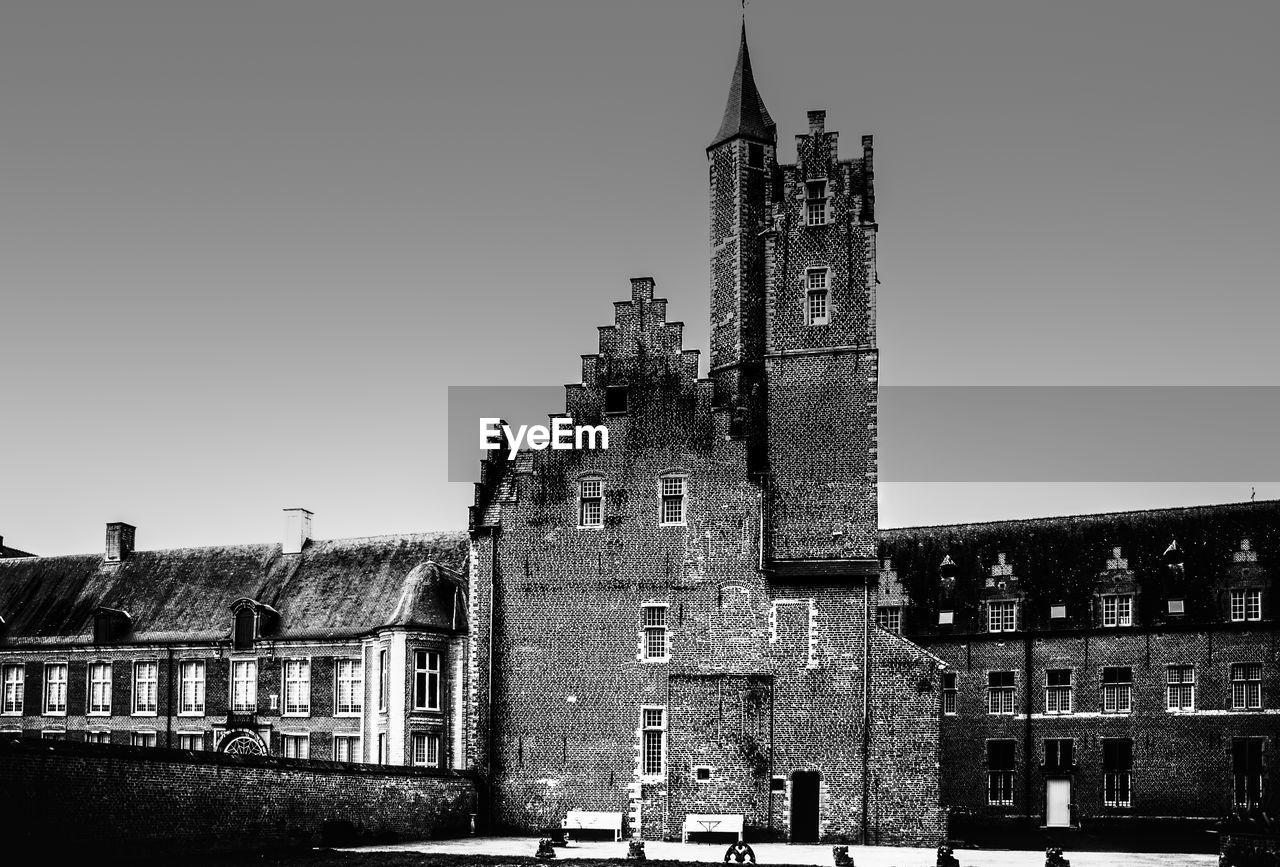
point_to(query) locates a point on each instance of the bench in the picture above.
(592, 820)
(711, 823)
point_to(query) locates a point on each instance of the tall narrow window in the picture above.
(244, 686)
(100, 689)
(14, 684)
(1180, 687)
(1246, 605)
(145, 680)
(426, 680)
(384, 682)
(1057, 690)
(1117, 610)
(817, 298)
(1002, 616)
(383, 757)
(590, 511)
(1117, 772)
(1246, 771)
(1246, 685)
(246, 625)
(672, 505)
(425, 749)
(191, 686)
(1000, 692)
(816, 203)
(653, 743)
(1000, 772)
(55, 688)
(350, 691)
(654, 618)
(950, 692)
(297, 687)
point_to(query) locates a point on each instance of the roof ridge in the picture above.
(1127, 512)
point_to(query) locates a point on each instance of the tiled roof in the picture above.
(744, 114)
(332, 589)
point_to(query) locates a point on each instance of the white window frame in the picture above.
(1246, 605)
(1002, 699)
(815, 207)
(15, 689)
(151, 669)
(1180, 688)
(384, 678)
(649, 733)
(353, 681)
(1059, 699)
(98, 695)
(591, 502)
(817, 286)
(144, 735)
(677, 493)
(353, 748)
(55, 688)
(191, 676)
(1246, 686)
(653, 632)
(190, 737)
(1117, 609)
(950, 693)
(432, 680)
(244, 689)
(297, 685)
(431, 744)
(1002, 615)
(889, 618)
(97, 736)
(1117, 697)
(295, 745)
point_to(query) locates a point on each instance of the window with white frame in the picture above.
(950, 692)
(142, 739)
(654, 620)
(192, 741)
(296, 746)
(346, 748)
(653, 742)
(425, 749)
(55, 689)
(244, 685)
(97, 737)
(1246, 605)
(1180, 687)
(1002, 615)
(1000, 692)
(14, 683)
(889, 618)
(1058, 690)
(1117, 772)
(1000, 758)
(53, 735)
(145, 681)
(672, 493)
(817, 297)
(384, 679)
(590, 503)
(1117, 689)
(191, 687)
(297, 687)
(426, 680)
(815, 206)
(99, 689)
(1117, 610)
(350, 687)
(1246, 685)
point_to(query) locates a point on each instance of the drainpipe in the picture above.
(168, 732)
(492, 736)
(1027, 744)
(866, 710)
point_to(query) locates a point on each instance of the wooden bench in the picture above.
(591, 820)
(711, 823)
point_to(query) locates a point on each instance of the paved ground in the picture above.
(782, 853)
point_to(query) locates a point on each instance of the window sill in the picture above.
(591, 526)
(190, 713)
(59, 714)
(681, 524)
(144, 713)
(656, 659)
(354, 714)
(99, 713)
(296, 714)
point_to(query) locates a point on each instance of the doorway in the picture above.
(804, 806)
(1057, 803)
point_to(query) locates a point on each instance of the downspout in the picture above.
(763, 502)
(492, 737)
(1027, 740)
(772, 681)
(866, 710)
(168, 732)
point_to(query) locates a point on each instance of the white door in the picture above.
(1057, 803)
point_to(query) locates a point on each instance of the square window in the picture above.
(1057, 612)
(1246, 605)
(702, 774)
(615, 398)
(889, 618)
(192, 741)
(1059, 754)
(1177, 606)
(142, 739)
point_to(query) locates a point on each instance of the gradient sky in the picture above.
(246, 246)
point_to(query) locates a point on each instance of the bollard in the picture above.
(635, 850)
(841, 854)
(545, 850)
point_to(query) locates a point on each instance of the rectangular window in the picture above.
(192, 741)
(1246, 605)
(1117, 610)
(350, 687)
(1059, 755)
(817, 308)
(99, 689)
(297, 687)
(244, 686)
(1246, 772)
(15, 679)
(346, 748)
(654, 618)
(950, 692)
(816, 203)
(1000, 692)
(1246, 685)
(53, 735)
(142, 739)
(653, 743)
(55, 689)
(382, 748)
(1002, 616)
(425, 748)
(590, 503)
(1180, 687)
(1057, 612)
(889, 618)
(191, 686)
(97, 737)
(1117, 772)
(1057, 690)
(296, 746)
(384, 682)
(672, 505)
(615, 398)
(145, 679)
(1000, 772)
(1117, 690)
(426, 680)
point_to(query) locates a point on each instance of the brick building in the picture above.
(1104, 669)
(682, 623)
(351, 650)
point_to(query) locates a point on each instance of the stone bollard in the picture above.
(1053, 858)
(740, 852)
(545, 850)
(947, 856)
(841, 854)
(635, 850)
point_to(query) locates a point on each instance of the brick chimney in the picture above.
(817, 120)
(119, 541)
(297, 530)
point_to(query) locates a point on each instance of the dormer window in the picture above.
(246, 628)
(1246, 605)
(110, 624)
(1117, 610)
(1002, 616)
(815, 206)
(251, 620)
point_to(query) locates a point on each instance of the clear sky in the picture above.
(245, 247)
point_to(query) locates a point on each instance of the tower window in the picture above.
(653, 742)
(654, 620)
(755, 155)
(817, 306)
(816, 203)
(615, 398)
(590, 493)
(672, 505)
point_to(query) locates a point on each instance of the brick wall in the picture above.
(156, 801)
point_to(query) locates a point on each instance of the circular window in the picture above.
(243, 744)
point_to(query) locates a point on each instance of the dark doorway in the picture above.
(804, 806)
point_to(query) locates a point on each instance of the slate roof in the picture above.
(334, 589)
(744, 114)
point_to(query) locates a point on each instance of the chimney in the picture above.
(119, 541)
(297, 530)
(817, 119)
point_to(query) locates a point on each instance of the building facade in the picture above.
(682, 623)
(346, 650)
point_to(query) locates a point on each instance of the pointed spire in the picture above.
(744, 114)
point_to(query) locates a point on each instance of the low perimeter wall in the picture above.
(150, 802)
